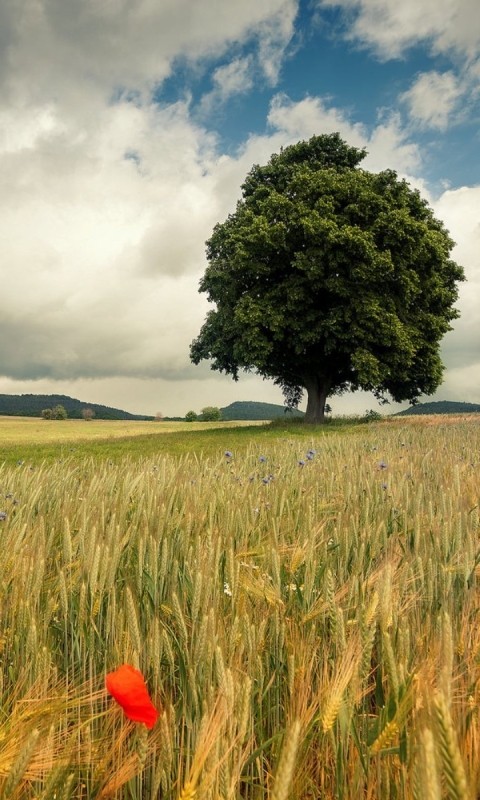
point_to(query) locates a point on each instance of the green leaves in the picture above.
(328, 273)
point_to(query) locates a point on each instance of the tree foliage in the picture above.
(329, 278)
(59, 412)
(211, 414)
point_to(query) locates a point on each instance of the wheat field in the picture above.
(304, 612)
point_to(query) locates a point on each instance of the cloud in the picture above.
(70, 46)
(389, 27)
(106, 198)
(228, 80)
(433, 99)
(104, 227)
(387, 143)
(274, 36)
(461, 349)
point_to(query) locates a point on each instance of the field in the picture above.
(303, 604)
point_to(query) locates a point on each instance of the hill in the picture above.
(440, 407)
(32, 405)
(252, 410)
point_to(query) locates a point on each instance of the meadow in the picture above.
(302, 602)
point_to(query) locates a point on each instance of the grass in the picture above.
(308, 630)
(35, 441)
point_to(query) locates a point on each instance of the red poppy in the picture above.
(128, 688)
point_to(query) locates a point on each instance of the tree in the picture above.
(47, 413)
(191, 416)
(329, 278)
(159, 417)
(59, 412)
(88, 414)
(211, 414)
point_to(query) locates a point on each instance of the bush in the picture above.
(59, 412)
(191, 416)
(211, 414)
(372, 416)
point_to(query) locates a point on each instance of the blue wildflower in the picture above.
(382, 465)
(3, 515)
(311, 452)
(263, 459)
(228, 454)
(265, 480)
(301, 462)
(384, 486)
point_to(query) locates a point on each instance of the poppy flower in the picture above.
(127, 687)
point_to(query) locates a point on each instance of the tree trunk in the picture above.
(317, 389)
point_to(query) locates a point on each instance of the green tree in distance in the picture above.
(59, 412)
(328, 278)
(211, 414)
(191, 416)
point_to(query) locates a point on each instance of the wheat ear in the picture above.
(287, 763)
(449, 751)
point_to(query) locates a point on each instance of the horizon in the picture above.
(331, 413)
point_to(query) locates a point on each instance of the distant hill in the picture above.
(440, 407)
(32, 405)
(251, 410)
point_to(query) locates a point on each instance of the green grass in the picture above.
(307, 630)
(75, 439)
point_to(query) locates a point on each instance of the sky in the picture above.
(126, 130)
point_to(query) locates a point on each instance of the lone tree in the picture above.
(329, 278)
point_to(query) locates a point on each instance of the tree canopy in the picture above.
(329, 278)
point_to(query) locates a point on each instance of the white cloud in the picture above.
(67, 46)
(228, 80)
(433, 99)
(274, 36)
(386, 143)
(459, 210)
(389, 27)
(234, 78)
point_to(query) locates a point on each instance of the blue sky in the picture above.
(126, 131)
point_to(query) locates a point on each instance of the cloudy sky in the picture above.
(126, 129)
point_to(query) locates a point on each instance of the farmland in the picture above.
(302, 602)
